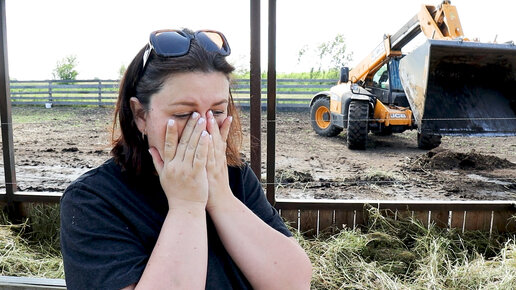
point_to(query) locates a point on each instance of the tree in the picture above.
(331, 55)
(121, 71)
(65, 68)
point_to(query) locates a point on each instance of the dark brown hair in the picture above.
(130, 149)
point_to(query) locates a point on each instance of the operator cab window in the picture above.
(381, 78)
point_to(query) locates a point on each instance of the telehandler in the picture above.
(449, 85)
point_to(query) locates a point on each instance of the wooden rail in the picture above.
(30, 283)
(292, 93)
(313, 217)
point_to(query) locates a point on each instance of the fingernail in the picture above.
(204, 133)
(150, 152)
(201, 120)
(195, 115)
(230, 119)
(212, 120)
(170, 122)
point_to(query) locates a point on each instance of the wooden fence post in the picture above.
(50, 91)
(100, 93)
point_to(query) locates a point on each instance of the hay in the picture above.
(403, 254)
(31, 249)
(387, 254)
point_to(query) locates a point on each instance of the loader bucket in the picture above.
(461, 88)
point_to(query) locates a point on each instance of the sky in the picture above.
(106, 34)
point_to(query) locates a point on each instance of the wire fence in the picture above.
(317, 199)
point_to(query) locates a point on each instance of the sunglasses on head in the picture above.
(174, 43)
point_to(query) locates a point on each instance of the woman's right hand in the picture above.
(182, 168)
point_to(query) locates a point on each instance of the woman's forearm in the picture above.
(268, 259)
(179, 258)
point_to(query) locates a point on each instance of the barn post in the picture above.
(271, 105)
(6, 119)
(255, 102)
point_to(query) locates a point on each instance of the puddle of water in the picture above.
(43, 177)
(501, 195)
(487, 179)
(451, 172)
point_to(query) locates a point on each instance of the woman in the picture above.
(175, 207)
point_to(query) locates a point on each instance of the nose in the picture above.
(205, 114)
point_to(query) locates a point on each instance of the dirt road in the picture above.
(54, 146)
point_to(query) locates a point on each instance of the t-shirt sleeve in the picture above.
(256, 201)
(99, 251)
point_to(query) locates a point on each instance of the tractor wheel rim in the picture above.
(319, 117)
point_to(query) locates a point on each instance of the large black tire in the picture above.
(427, 141)
(358, 116)
(320, 118)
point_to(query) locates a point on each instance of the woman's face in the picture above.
(181, 95)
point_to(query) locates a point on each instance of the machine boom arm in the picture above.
(441, 22)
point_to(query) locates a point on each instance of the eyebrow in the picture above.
(193, 104)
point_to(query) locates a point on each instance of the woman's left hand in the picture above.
(216, 167)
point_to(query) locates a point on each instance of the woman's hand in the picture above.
(217, 169)
(182, 168)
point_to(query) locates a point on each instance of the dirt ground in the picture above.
(60, 143)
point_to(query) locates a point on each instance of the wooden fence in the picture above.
(291, 93)
(329, 216)
(313, 217)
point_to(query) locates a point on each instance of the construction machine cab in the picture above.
(344, 75)
(381, 78)
(386, 84)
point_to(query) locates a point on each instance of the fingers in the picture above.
(214, 129)
(212, 126)
(219, 136)
(171, 137)
(200, 137)
(187, 133)
(210, 165)
(202, 151)
(224, 129)
(156, 159)
(191, 147)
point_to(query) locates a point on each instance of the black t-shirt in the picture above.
(111, 221)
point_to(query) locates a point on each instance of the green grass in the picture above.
(71, 115)
(330, 74)
(38, 114)
(386, 254)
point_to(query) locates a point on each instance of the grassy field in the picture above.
(386, 254)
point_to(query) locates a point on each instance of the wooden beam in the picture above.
(24, 197)
(5, 116)
(30, 283)
(415, 205)
(255, 91)
(271, 106)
